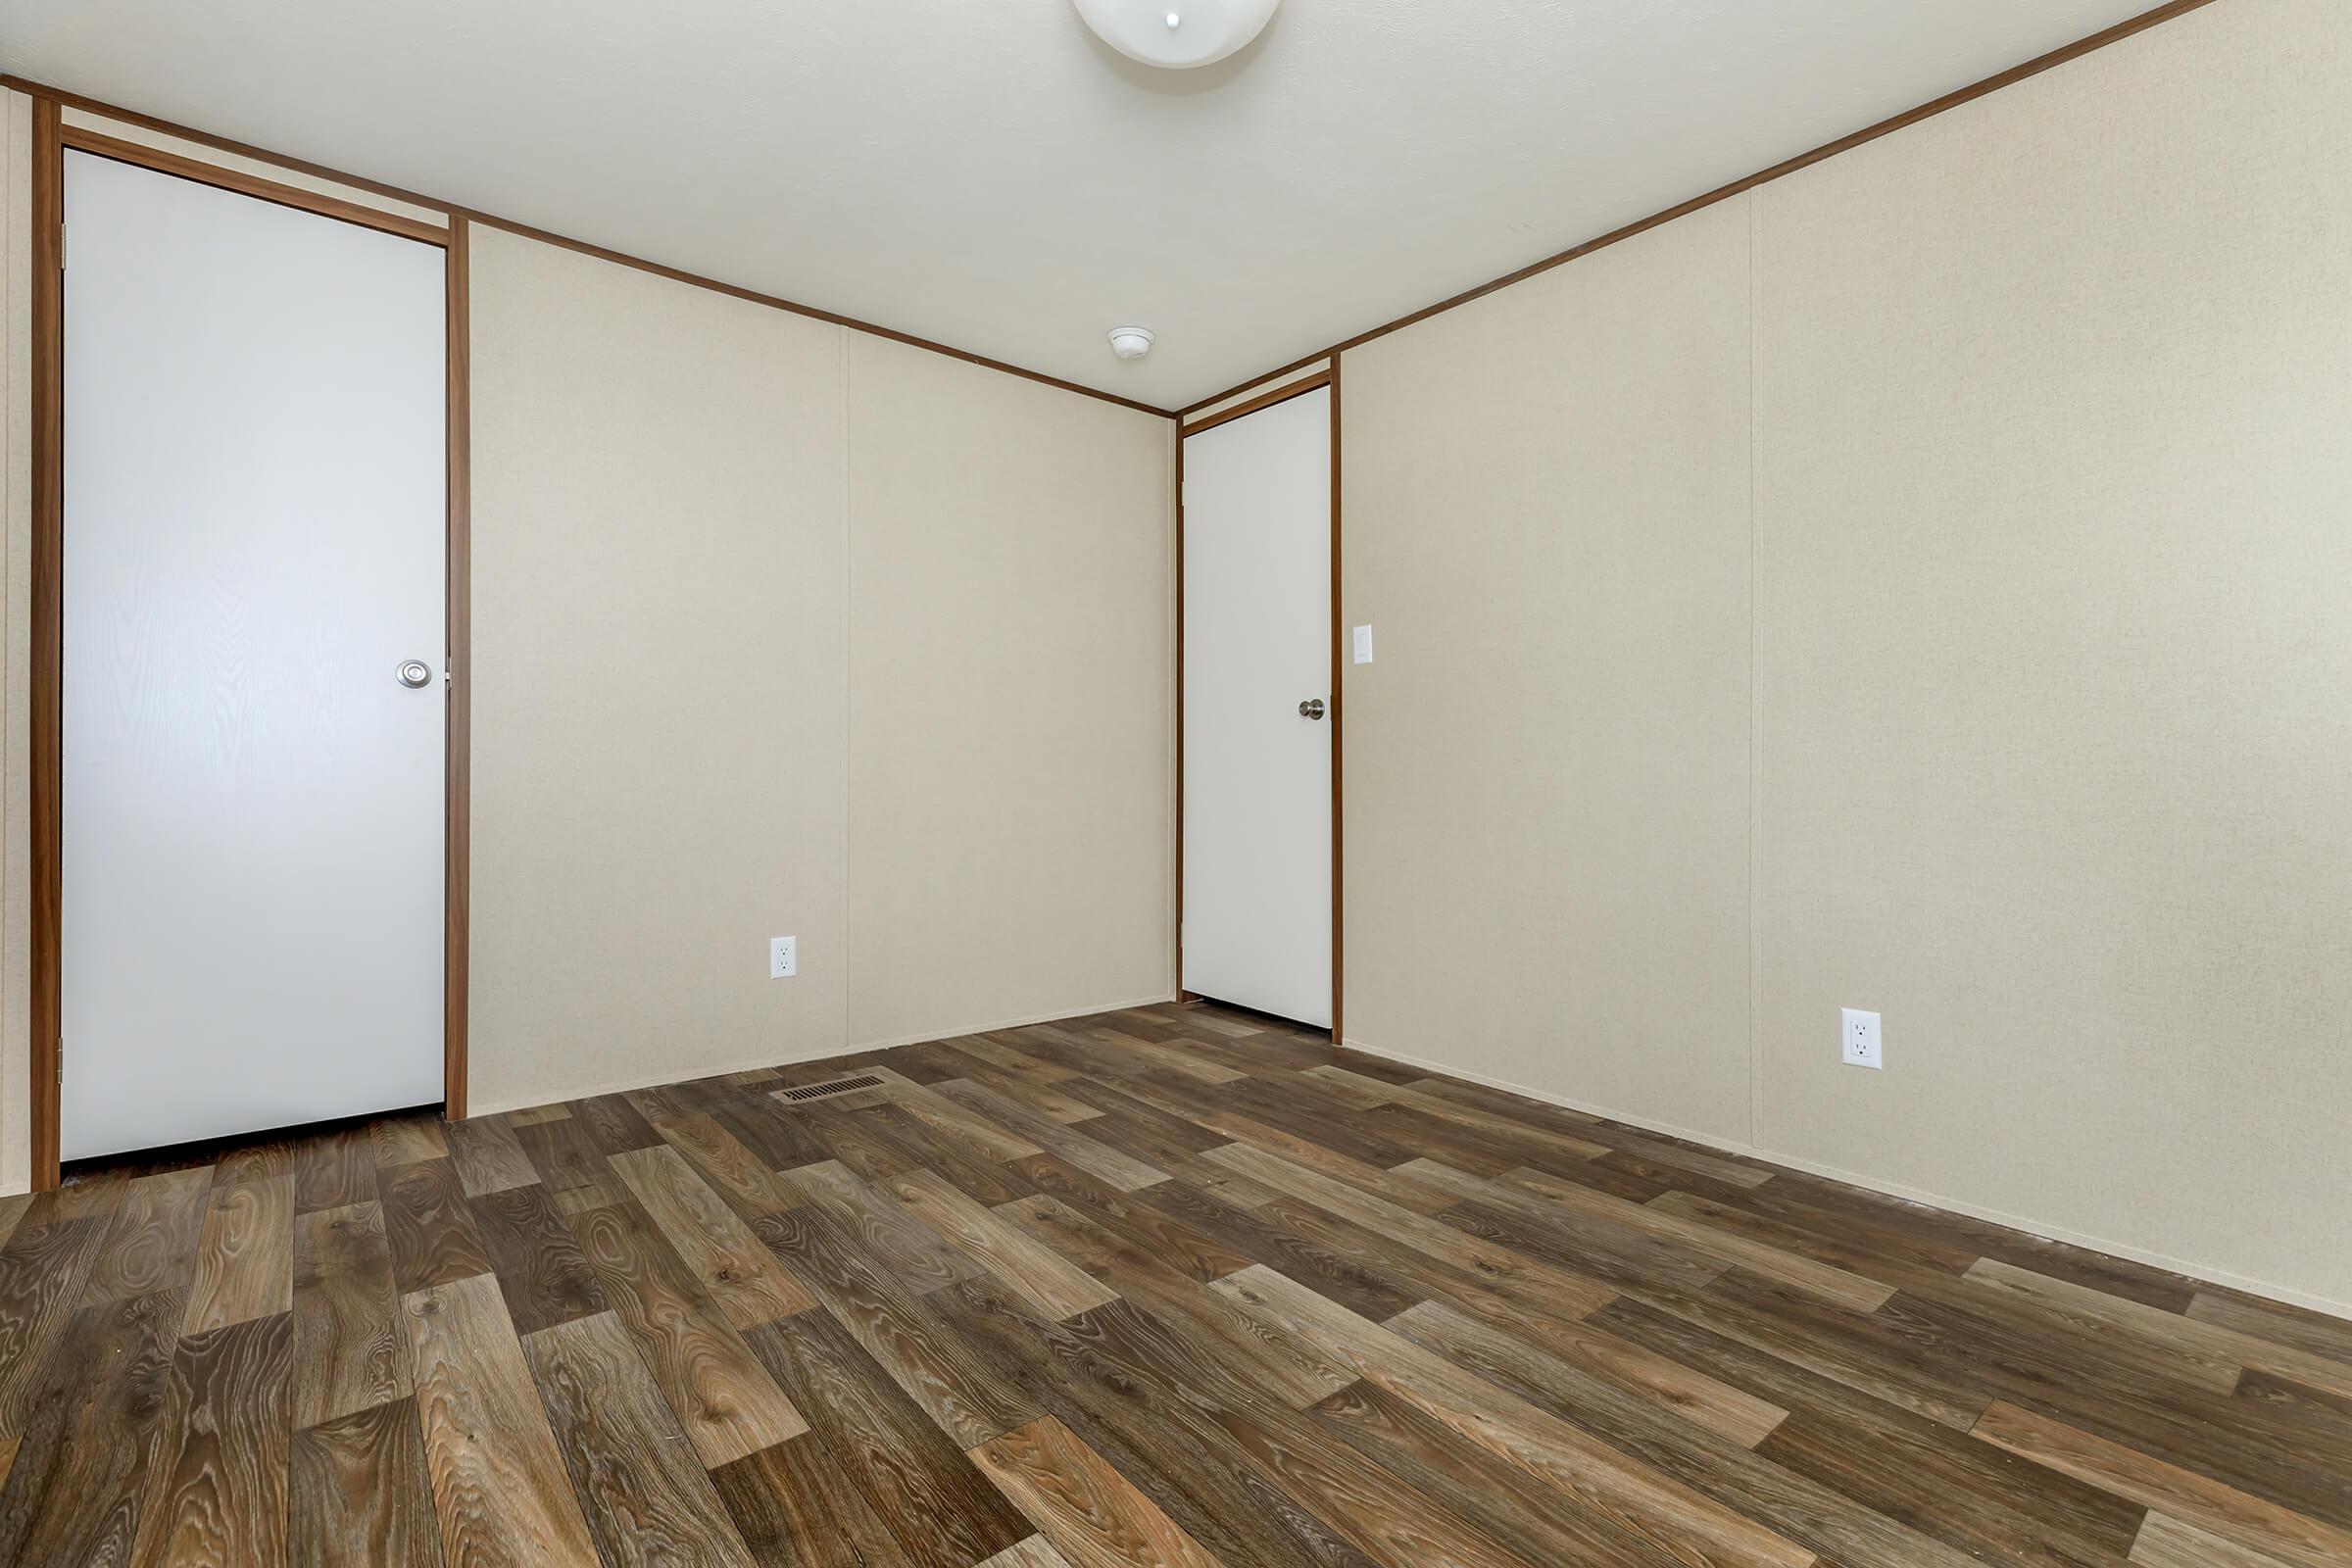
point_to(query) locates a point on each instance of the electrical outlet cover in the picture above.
(1858, 1039)
(783, 958)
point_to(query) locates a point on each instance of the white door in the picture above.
(1256, 696)
(254, 544)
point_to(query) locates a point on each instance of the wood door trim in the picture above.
(457, 833)
(50, 139)
(1339, 946)
(1182, 995)
(41, 92)
(1327, 377)
(1264, 400)
(1763, 176)
(81, 139)
(47, 781)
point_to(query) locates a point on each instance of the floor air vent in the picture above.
(839, 1086)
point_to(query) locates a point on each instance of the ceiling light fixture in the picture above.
(1177, 34)
(1131, 342)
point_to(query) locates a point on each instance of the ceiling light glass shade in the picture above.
(1177, 34)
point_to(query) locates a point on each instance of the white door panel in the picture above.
(1256, 772)
(254, 542)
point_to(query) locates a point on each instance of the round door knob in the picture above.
(1312, 708)
(415, 673)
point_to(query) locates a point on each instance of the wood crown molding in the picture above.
(1764, 176)
(61, 99)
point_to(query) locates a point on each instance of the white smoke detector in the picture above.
(1131, 342)
(1177, 34)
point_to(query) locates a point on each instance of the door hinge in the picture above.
(61, 245)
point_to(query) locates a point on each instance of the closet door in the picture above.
(1257, 752)
(255, 646)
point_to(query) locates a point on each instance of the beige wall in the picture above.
(1546, 770)
(785, 629)
(1011, 710)
(660, 676)
(2051, 659)
(2055, 647)
(670, 647)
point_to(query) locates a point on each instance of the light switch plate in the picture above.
(1363, 645)
(783, 958)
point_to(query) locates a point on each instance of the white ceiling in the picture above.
(988, 175)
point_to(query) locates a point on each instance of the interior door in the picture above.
(1258, 727)
(255, 539)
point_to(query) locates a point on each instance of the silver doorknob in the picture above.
(415, 673)
(1312, 708)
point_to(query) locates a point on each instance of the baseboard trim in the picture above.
(622, 1086)
(1885, 1188)
(496, 1107)
(928, 1036)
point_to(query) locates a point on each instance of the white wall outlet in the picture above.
(1363, 645)
(783, 958)
(1860, 1039)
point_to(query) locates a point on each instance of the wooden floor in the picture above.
(1168, 1286)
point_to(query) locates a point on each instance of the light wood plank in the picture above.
(1036, 1273)
(1086, 1508)
(726, 1259)
(2166, 1543)
(488, 1157)
(1631, 1495)
(1095, 1158)
(2235, 1517)
(733, 1169)
(1586, 1352)
(501, 1493)
(350, 1350)
(1035, 1552)
(2212, 1352)
(648, 1500)
(1835, 1285)
(244, 1255)
(726, 1401)
(1560, 1291)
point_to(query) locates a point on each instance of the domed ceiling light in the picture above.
(1177, 34)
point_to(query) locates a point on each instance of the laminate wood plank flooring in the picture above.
(1172, 1287)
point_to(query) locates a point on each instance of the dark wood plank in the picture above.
(965, 1397)
(648, 1500)
(215, 1497)
(541, 1271)
(335, 1170)
(99, 1422)
(795, 1504)
(360, 1494)
(940, 1510)
(150, 1243)
(565, 1153)
(1164, 1281)
(430, 1227)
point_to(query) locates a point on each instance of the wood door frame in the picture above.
(51, 138)
(1328, 376)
